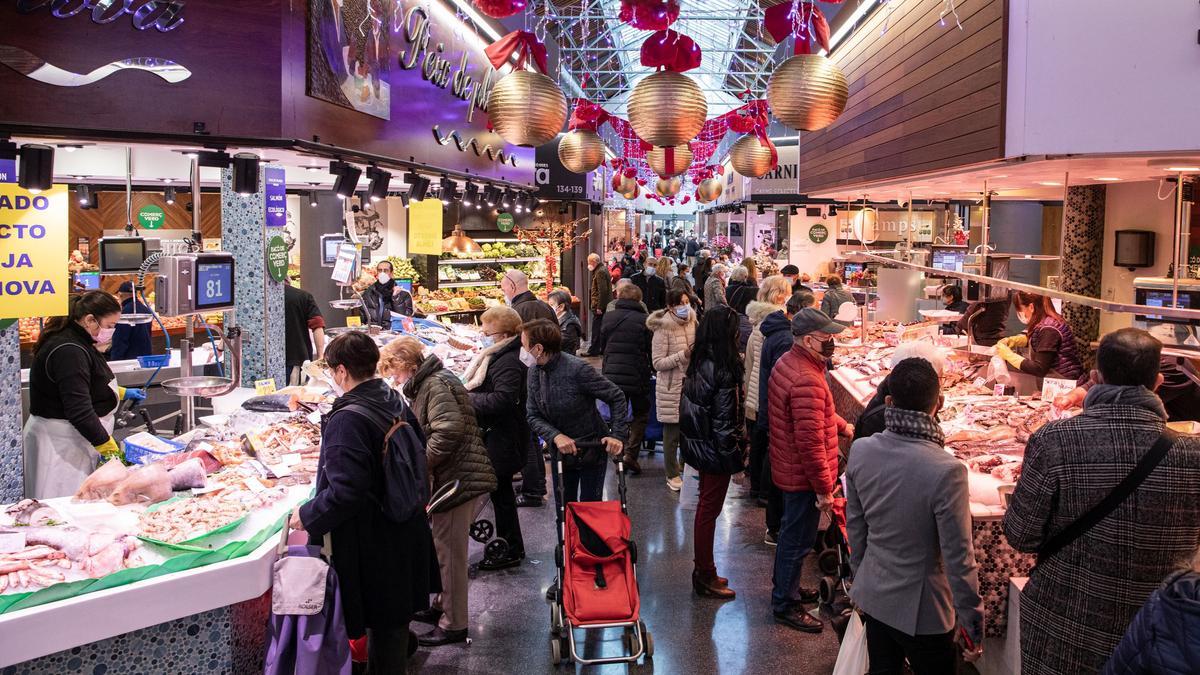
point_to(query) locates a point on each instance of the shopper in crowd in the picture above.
(572, 330)
(384, 567)
(746, 290)
(711, 420)
(701, 270)
(985, 321)
(952, 301)
(804, 456)
(836, 296)
(674, 330)
(614, 268)
(72, 396)
(1179, 393)
(384, 297)
(691, 250)
(872, 421)
(455, 452)
(616, 292)
(682, 281)
(626, 341)
(752, 271)
(1094, 571)
(667, 269)
(772, 298)
(599, 295)
(130, 341)
(629, 262)
(515, 287)
(653, 287)
(495, 381)
(908, 519)
(303, 330)
(1164, 638)
(793, 273)
(563, 391)
(1050, 342)
(714, 287)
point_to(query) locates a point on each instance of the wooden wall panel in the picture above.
(922, 97)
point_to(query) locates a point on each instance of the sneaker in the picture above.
(770, 539)
(799, 620)
(676, 484)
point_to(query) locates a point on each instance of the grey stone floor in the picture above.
(510, 619)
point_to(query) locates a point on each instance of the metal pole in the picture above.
(1062, 226)
(187, 404)
(984, 232)
(1177, 240)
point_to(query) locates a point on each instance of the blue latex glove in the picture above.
(134, 394)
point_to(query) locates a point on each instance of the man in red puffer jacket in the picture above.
(804, 429)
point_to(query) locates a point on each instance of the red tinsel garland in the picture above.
(649, 14)
(499, 9)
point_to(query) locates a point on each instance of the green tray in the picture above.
(190, 544)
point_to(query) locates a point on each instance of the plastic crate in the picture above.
(154, 361)
(139, 454)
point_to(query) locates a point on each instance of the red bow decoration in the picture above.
(499, 9)
(809, 27)
(525, 44)
(670, 50)
(649, 14)
(705, 172)
(587, 116)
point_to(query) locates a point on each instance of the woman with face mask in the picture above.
(674, 331)
(454, 451)
(568, 322)
(1047, 341)
(72, 396)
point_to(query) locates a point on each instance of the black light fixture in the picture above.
(36, 170)
(491, 195)
(793, 210)
(470, 195)
(312, 197)
(506, 200)
(833, 209)
(449, 190)
(88, 198)
(761, 209)
(8, 149)
(245, 173)
(169, 194)
(418, 186)
(404, 199)
(347, 178)
(377, 189)
(214, 159)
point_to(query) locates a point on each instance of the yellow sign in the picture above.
(264, 387)
(352, 321)
(33, 252)
(425, 227)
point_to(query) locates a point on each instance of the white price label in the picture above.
(12, 542)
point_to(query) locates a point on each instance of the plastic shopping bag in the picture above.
(998, 371)
(852, 657)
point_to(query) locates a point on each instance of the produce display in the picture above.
(462, 300)
(499, 249)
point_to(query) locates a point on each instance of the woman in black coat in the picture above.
(710, 421)
(384, 568)
(626, 345)
(495, 381)
(568, 322)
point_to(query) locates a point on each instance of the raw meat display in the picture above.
(55, 554)
(29, 512)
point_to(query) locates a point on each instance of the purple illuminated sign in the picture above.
(275, 192)
(163, 15)
(8, 170)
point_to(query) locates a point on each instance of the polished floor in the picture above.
(510, 619)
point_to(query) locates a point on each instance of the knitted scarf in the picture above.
(914, 423)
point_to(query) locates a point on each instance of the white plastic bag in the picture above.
(852, 657)
(689, 494)
(998, 371)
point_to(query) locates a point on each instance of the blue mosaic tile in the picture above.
(12, 473)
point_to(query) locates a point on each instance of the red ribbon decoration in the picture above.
(669, 159)
(670, 50)
(814, 31)
(525, 44)
(649, 14)
(587, 116)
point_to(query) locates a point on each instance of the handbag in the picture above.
(1120, 493)
(852, 656)
(298, 583)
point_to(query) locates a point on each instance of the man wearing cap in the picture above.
(804, 430)
(793, 273)
(130, 341)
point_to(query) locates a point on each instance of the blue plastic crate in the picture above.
(137, 454)
(154, 361)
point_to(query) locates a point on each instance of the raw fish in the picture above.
(103, 481)
(187, 475)
(150, 483)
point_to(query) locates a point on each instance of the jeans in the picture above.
(387, 650)
(797, 534)
(759, 447)
(640, 405)
(671, 450)
(533, 476)
(887, 648)
(713, 488)
(773, 495)
(508, 525)
(582, 483)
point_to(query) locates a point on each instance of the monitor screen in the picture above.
(951, 261)
(121, 255)
(851, 268)
(1163, 299)
(214, 284)
(405, 284)
(87, 281)
(329, 249)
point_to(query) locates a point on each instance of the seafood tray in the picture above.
(183, 521)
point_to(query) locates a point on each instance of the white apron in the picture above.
(57, 457)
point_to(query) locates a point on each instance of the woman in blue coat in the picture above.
(1164, 638)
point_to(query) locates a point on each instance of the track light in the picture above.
(793, 210)
(169, 193)
(491, 195)
(833, 209)
(36, 170)
(245, 173)
(215, 159)
(449, 190)
(312, 197)
(761, 209)
(404, 199)
(470, 194)
(347, 178)
(377, 189)
(88, 199)
(506, 200)
(418, 186)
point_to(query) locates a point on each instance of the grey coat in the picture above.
(562, 400)
(908, 515)
(714, 293)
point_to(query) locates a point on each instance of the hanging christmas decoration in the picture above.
(709, 190)
(553, 238)
(525, 107)
(649, 14)
(753, 156)
(582, 149)
(499, 9)
(669, 161)
(668, 108)
(806, 92)
(667, 187)
(624, 184)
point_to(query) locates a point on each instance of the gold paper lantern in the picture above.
(667, 187)
(751, 158)
(626, 186)
(527, 109)
(667, 108)
(709, 190)
(632, 194)
(807, 92)
(657, 159)
(581, 151)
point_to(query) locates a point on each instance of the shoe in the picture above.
(809, 595)
(711, 588)
(429, 616)
(770, 539)
(799, 620)
(501, 563)
(529, 501)
(723, 581)
(676, 484)
(438, 637)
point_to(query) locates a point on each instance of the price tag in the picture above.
(998, 390)
(264, 387)
(446, 321)
(353, 321)
(280, 470)
(12, 542)
(1056, 386)
(981, 382)
(314, 417)
(254, 485)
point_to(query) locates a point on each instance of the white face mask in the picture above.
(650, 271)
(1023, 318)
(105, 335)
(331, 378)
(528, 359)
(486, 341)
(682, 311)
(384, 277)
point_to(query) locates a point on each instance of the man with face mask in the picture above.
(654, 287)
(598, 298)
(804, 431)
(515, 287)
(383, 297)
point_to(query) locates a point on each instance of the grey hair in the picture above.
(773, 286)
(740, 273)
(719, 268)
(705, 253)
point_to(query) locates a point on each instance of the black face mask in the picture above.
(827, 347)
